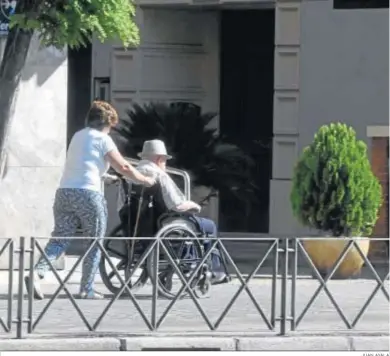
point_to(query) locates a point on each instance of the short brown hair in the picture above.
(101, 114)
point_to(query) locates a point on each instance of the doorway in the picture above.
(246, 110)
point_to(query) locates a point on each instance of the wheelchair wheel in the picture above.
(117, 249)
(185, 249)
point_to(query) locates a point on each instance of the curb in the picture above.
(204, 343)
(58, 344)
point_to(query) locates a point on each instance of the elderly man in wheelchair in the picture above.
(163, 210)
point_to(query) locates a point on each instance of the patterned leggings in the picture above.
(72, 208)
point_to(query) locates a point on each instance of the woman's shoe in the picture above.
(91, 295)
(35, 284)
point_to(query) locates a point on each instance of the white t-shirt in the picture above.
(85, 164)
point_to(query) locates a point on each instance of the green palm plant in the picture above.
(196, 147)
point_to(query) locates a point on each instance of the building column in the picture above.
(36, 148)
(286, 114)
(379, 136)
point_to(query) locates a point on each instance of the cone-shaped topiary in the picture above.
(334, 189)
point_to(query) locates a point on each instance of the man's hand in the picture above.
(189, 206)
(196, 207)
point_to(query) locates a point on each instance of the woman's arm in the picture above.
(116, 160)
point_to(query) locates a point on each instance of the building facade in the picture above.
(280, 69)
(313, 62)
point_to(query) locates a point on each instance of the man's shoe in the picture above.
(35, 284)
(219, 278)
(91, 295)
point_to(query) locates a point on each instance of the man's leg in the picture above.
(218, 268)
(208, 228)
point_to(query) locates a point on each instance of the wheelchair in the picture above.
(144, 214)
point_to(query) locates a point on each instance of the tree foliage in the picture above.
(334, 188)
(195, 146)
(58, 23)
(73, 23)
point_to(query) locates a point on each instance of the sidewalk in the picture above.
(122, 328)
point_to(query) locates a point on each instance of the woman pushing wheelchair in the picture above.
(154, 157)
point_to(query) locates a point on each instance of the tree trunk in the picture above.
(12, 64)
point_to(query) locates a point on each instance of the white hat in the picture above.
(153, 148)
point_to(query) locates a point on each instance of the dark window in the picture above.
(361, 4)
(102, 89)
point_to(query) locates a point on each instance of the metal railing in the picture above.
(22, 319)
(350, 244)
(6, 325)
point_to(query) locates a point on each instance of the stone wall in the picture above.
(36, 147)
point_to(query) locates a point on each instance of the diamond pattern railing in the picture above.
(6, 325)
(62, 286)
(186, 286)
(324, 283)
(278, 251)
(244, 286)
(125, 287)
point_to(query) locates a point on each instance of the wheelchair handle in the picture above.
(110, 178)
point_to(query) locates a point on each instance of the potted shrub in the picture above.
(334, 191)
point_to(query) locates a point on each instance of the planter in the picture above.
(324, 254)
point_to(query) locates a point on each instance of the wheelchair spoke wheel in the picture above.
(117, 250)
(185, 250)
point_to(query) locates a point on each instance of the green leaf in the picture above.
(74, 23)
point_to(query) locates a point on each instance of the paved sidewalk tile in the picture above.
(180, 343)
(306, 343)
(91, 344)
(364, 343)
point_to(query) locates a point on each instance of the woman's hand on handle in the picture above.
(110, 178)
(116, 160)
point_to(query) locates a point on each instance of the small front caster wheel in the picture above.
(202, 289)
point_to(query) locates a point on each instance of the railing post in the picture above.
(30, 294)
(10, 284)
(275, 271)
(155, 281)
(19, 320)
(294, 284)
(283, 306)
